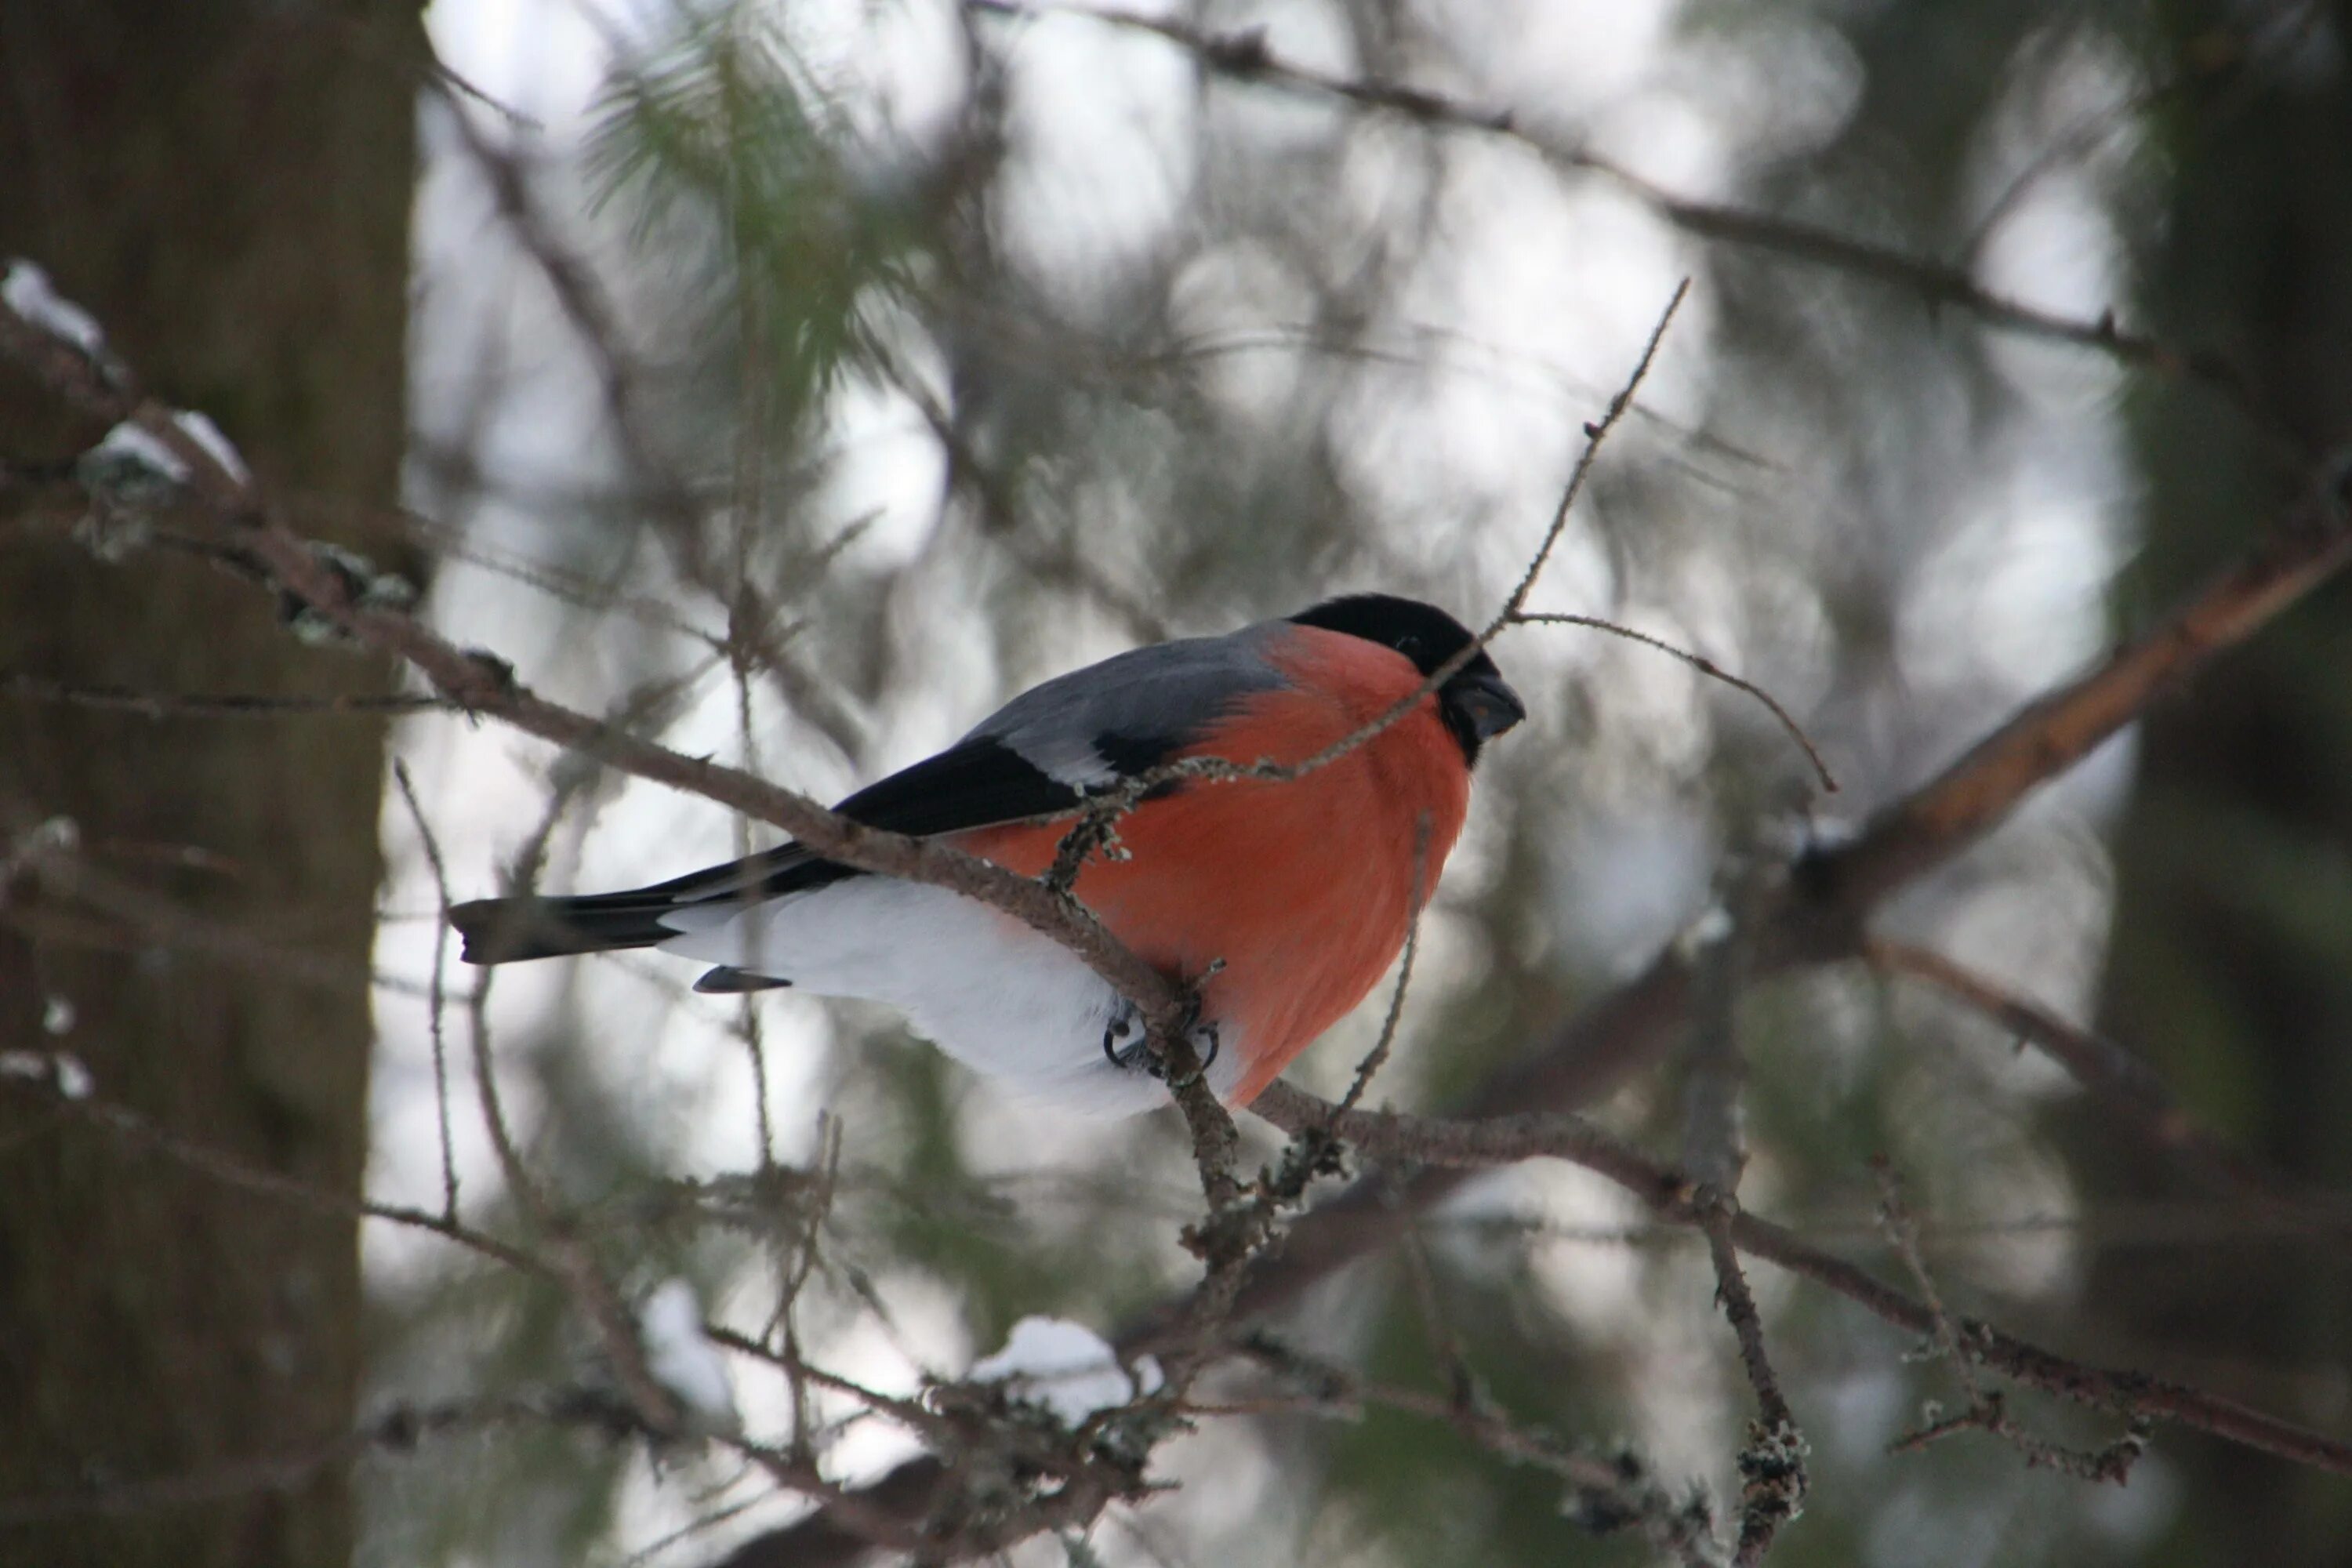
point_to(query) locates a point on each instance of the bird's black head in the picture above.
(1475, 702)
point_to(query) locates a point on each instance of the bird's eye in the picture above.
(1408, 645)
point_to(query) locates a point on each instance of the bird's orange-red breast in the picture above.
(1300, 891)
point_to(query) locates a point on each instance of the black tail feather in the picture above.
(508, 931)
(729, 981)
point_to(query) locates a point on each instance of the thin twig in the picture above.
(1920, 832)
(435, 1001)
(748, 1027)
(1595, 433)
(1609, 1494)
(614, 1331)
(1453, 1357)
(214, 1164)
(1244, 56)
(1375, 1058)
(1960, 1345)
(1817, 916)
(2124, 1083)
(1479, 1144)
(1773, 1480)
(397, 1430)
(212, 705)
(1705, 667)
(1087, 831)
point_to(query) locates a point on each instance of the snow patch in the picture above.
(683, 1359)
(199, 428)
(1825, 832)
(1066, 1367)
(131, 451)
(68, 1073)
(1711, 927)
(74, 1079)
(28, 292)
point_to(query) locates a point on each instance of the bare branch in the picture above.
(1773, 1481)
(397, 1430)
(1089, 831)
(2047, 736)
(1245, 57)
(1376, 1057)
(1476, 1144)
(1705, 667)
(211, 705)
(436, 1007)
(655, 1404)
(1986, 1412)
(2123, 1082)
(1595, 434)
(132, 1128)
(1772, 1464)
(1607, 1494)
(1818, 915)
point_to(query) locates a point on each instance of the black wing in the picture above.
(979, 783)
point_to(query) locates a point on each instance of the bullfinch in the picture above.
(1284, 901)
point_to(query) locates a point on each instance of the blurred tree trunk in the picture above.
(227, 185)
(2232, 958)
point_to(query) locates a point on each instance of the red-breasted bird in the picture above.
(1285, 899)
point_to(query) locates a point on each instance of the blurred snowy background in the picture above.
(794, 381)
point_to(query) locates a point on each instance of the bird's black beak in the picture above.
(1486, 701)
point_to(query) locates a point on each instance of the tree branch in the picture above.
(1244, 56)
(1817, 915)
(1466, 1144)
(2122, 1082)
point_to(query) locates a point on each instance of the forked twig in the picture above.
(1705, 667)
(1088, 832)
(1962, 1345)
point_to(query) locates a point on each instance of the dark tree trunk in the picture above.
(2232, 962)
(227, 186)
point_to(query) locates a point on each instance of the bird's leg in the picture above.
(1123, 1039)
(1124, 1044)
(1194, 1029)
(1202, 1036)
(1197, 1033)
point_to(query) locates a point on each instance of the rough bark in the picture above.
(227, 186)
(2232, 956)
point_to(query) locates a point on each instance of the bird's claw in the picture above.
(1123, 1038)
(1208, 1058)
(1126, 1045)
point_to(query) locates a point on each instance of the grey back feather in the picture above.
(1075, 726)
